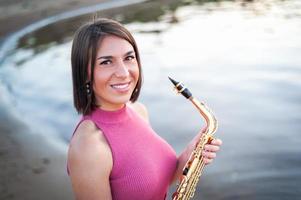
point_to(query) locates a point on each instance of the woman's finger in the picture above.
(207, 161)
(210, 147)
(208, 155)
(217, 142)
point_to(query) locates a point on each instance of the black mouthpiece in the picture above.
(173, 81)
(181, 88)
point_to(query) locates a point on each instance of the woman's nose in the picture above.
(122, 70)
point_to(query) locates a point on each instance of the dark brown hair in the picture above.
(84, 49)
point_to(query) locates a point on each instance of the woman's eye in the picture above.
(130, 57)
(106, 62)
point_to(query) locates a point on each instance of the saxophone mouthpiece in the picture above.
(181, 88)
(173, 81)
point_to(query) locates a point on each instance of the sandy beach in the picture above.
(31, 168)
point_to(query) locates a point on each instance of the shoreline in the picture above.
(16, 15)
(9, 38)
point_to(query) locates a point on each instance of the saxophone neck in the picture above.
(211, 122)
(206, 113)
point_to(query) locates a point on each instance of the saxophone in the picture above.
(195, 164)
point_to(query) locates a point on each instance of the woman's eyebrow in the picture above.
(129, 53)
(110, 57)
(105, 57)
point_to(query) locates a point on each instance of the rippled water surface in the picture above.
(243, 60)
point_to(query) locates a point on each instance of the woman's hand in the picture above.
(210, 150)
(209, 153)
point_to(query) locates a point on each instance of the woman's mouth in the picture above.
(122, 87)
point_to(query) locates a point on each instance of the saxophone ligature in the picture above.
(194, 166)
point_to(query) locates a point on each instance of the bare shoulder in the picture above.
(141, 109)
(88, 143)
(90, 163)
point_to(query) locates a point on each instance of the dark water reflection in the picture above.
(63, 30)
(242, 59)
(150, 11)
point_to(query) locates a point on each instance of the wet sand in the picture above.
(30, 167)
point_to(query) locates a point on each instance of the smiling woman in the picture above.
(116, 73)
(116, 61)
(114, 153)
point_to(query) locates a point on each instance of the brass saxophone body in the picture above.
(195, 164)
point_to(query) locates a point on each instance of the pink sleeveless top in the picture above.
(143, 163)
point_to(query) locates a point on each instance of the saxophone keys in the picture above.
(210, 139)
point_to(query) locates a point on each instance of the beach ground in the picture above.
(30, 167)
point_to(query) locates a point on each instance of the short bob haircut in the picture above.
(84, 50)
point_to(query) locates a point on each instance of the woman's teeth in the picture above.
(121, 86)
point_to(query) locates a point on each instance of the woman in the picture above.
(114, 153)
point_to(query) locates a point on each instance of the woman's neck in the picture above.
(111, 107)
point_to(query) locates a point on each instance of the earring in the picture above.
(88, 88)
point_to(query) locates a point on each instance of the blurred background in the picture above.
(243, 58)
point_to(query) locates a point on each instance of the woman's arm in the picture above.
(90, 163)
(209, 154)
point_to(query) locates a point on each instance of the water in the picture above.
(243, 60)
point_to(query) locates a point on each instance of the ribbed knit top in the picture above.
(143, 163)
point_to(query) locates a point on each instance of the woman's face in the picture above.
(116, 73)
